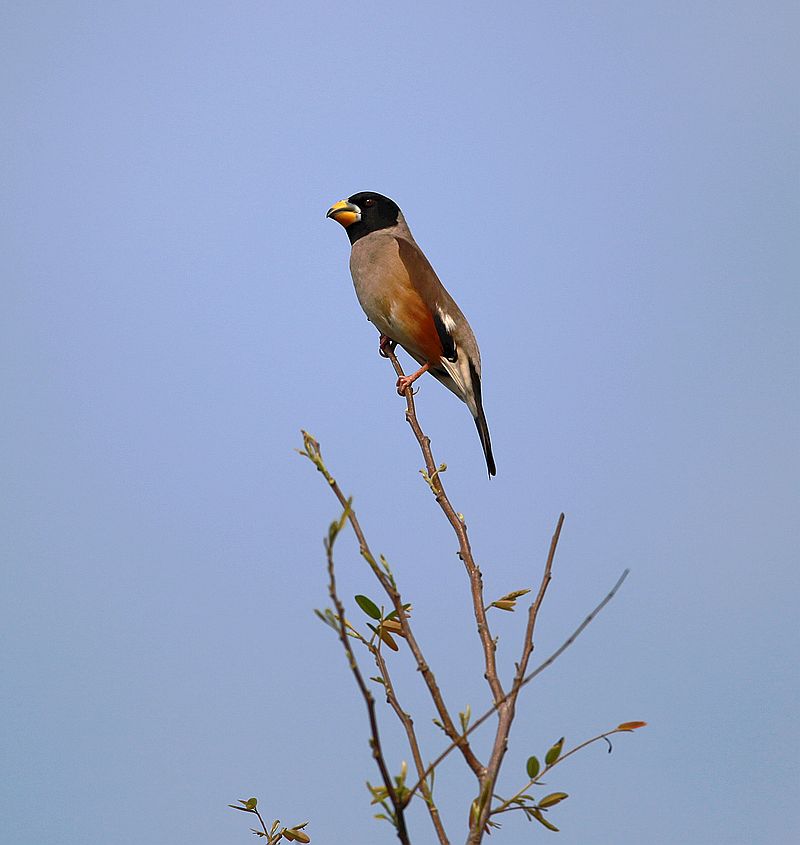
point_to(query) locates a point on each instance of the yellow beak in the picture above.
(344, 212)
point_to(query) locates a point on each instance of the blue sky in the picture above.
(610, 192)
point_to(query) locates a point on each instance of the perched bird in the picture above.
(403, 297)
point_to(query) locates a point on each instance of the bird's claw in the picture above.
(403, 383)
(385, 343)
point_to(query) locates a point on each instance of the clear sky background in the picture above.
(610, 190)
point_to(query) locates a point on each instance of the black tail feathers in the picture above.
(480, 421)
(483, 431)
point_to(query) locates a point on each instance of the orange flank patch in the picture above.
(408, 317)
(415, 321)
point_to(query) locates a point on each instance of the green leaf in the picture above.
(368, 606)
(552, 799)
(251, 803)
(532, 767)
(554, 752)
(542, 820)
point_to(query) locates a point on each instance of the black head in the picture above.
(364, 213)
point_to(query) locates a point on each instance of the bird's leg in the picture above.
(385, 343)
(404, 382)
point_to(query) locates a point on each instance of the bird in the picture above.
(403, 298)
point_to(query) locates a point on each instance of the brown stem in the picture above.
(460, 528)
(486, 778)
(260, 818)
(507, 709)
(533, 612)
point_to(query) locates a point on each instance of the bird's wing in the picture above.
(460, 362)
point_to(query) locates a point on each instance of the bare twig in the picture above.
(263, 824)
(533, 612)
(507, 708)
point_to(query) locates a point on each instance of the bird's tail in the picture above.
(483, 431)
(480, 420)
(462, 379)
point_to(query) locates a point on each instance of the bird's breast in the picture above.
(390, 298)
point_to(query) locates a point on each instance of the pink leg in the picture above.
(404, 382)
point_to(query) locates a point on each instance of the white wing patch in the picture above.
(449, 322)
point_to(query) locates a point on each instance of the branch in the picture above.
(434, 478)
(533, 612)
(507, 708)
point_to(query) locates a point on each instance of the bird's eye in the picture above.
(369, 202)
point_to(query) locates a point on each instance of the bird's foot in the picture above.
(385, 343)
(404, 382)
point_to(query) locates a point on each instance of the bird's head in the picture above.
(364, 213)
